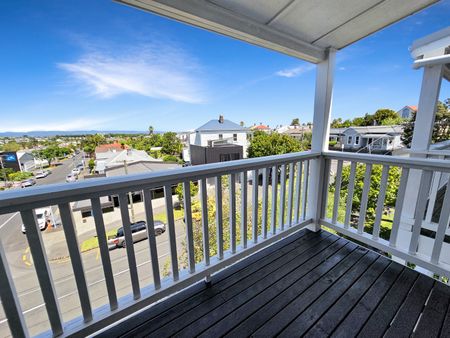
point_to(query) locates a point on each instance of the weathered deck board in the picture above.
(313, 284)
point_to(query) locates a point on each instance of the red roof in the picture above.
(413, 107)
(260, 127)
(108, 147)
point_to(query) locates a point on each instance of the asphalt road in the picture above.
(27, 285)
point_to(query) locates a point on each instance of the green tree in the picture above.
(91, 142)
(441, 129)
(150, 130)
(19, 176)
(4, 173)
(91, 164)
(11, 146)
(295, 122)
(263, 144)
(179, 191)
(375, 181)
(386, 117)
(171, 144)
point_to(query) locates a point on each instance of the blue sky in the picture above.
(81, 65)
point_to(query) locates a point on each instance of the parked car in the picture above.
(42, 216)
(71, 178)
(42, 174)
(29, 182)
(138, 231)
(76, 171)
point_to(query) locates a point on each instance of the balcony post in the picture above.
(320, 135)
(429, 94)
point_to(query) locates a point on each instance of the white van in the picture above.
(42, 216)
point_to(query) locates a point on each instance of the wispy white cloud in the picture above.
(61, 125)
(294, 72)
(161, 72)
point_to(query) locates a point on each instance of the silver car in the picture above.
(138, 231)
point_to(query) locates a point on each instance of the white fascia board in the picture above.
(432, 45)
(212, 17)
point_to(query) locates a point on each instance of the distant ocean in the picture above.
(47, 133)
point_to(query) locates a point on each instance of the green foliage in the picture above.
(5, 172)
(263, 144)
(441, 130)
(91, 164)
(295, 122)
(11, 146)
(52, 152)
(382, 117)
(375, 180)
(19, 176)
(170, 158)
(91, 142)
(171, 144)
(179, 191)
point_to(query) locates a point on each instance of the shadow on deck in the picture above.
(313, 284)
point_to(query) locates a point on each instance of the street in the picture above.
(24, 275)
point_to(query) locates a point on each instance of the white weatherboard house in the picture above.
(368, 139)
(407, 111)
(220, 131)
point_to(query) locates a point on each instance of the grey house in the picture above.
(377, 139)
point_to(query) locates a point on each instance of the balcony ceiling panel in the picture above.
(300, 28)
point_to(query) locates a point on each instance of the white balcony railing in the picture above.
(285, 207)
(281, 224)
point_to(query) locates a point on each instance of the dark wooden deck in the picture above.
(311, 284)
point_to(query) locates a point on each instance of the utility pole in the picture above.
(130, 195)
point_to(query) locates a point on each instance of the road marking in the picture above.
(91, 284)
(13, 215)
(25, 259)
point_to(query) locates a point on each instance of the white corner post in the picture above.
(423, 131)
(321, 130)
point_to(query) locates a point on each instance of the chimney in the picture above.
(220, 118)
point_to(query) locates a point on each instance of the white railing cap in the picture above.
(34, 197)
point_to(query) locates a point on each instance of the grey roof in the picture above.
(215, 125)
(370, 130)
(140, 167)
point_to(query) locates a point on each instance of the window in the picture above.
(234, 137)
(357, 140)
(349, 139)
(210, 143)
(220, 136)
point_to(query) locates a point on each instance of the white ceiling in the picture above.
(302, 28)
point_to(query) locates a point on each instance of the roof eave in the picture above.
(207, 15)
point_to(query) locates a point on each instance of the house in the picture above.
(217, 141)
(406, 112)
(377, 139)
(296, 131)
(260, 127)
(281, 274)
(22, 161)
(115, 146)
(105, 160)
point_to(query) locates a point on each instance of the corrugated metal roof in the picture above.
(303, 29)
(370, 129)
(215, 125)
